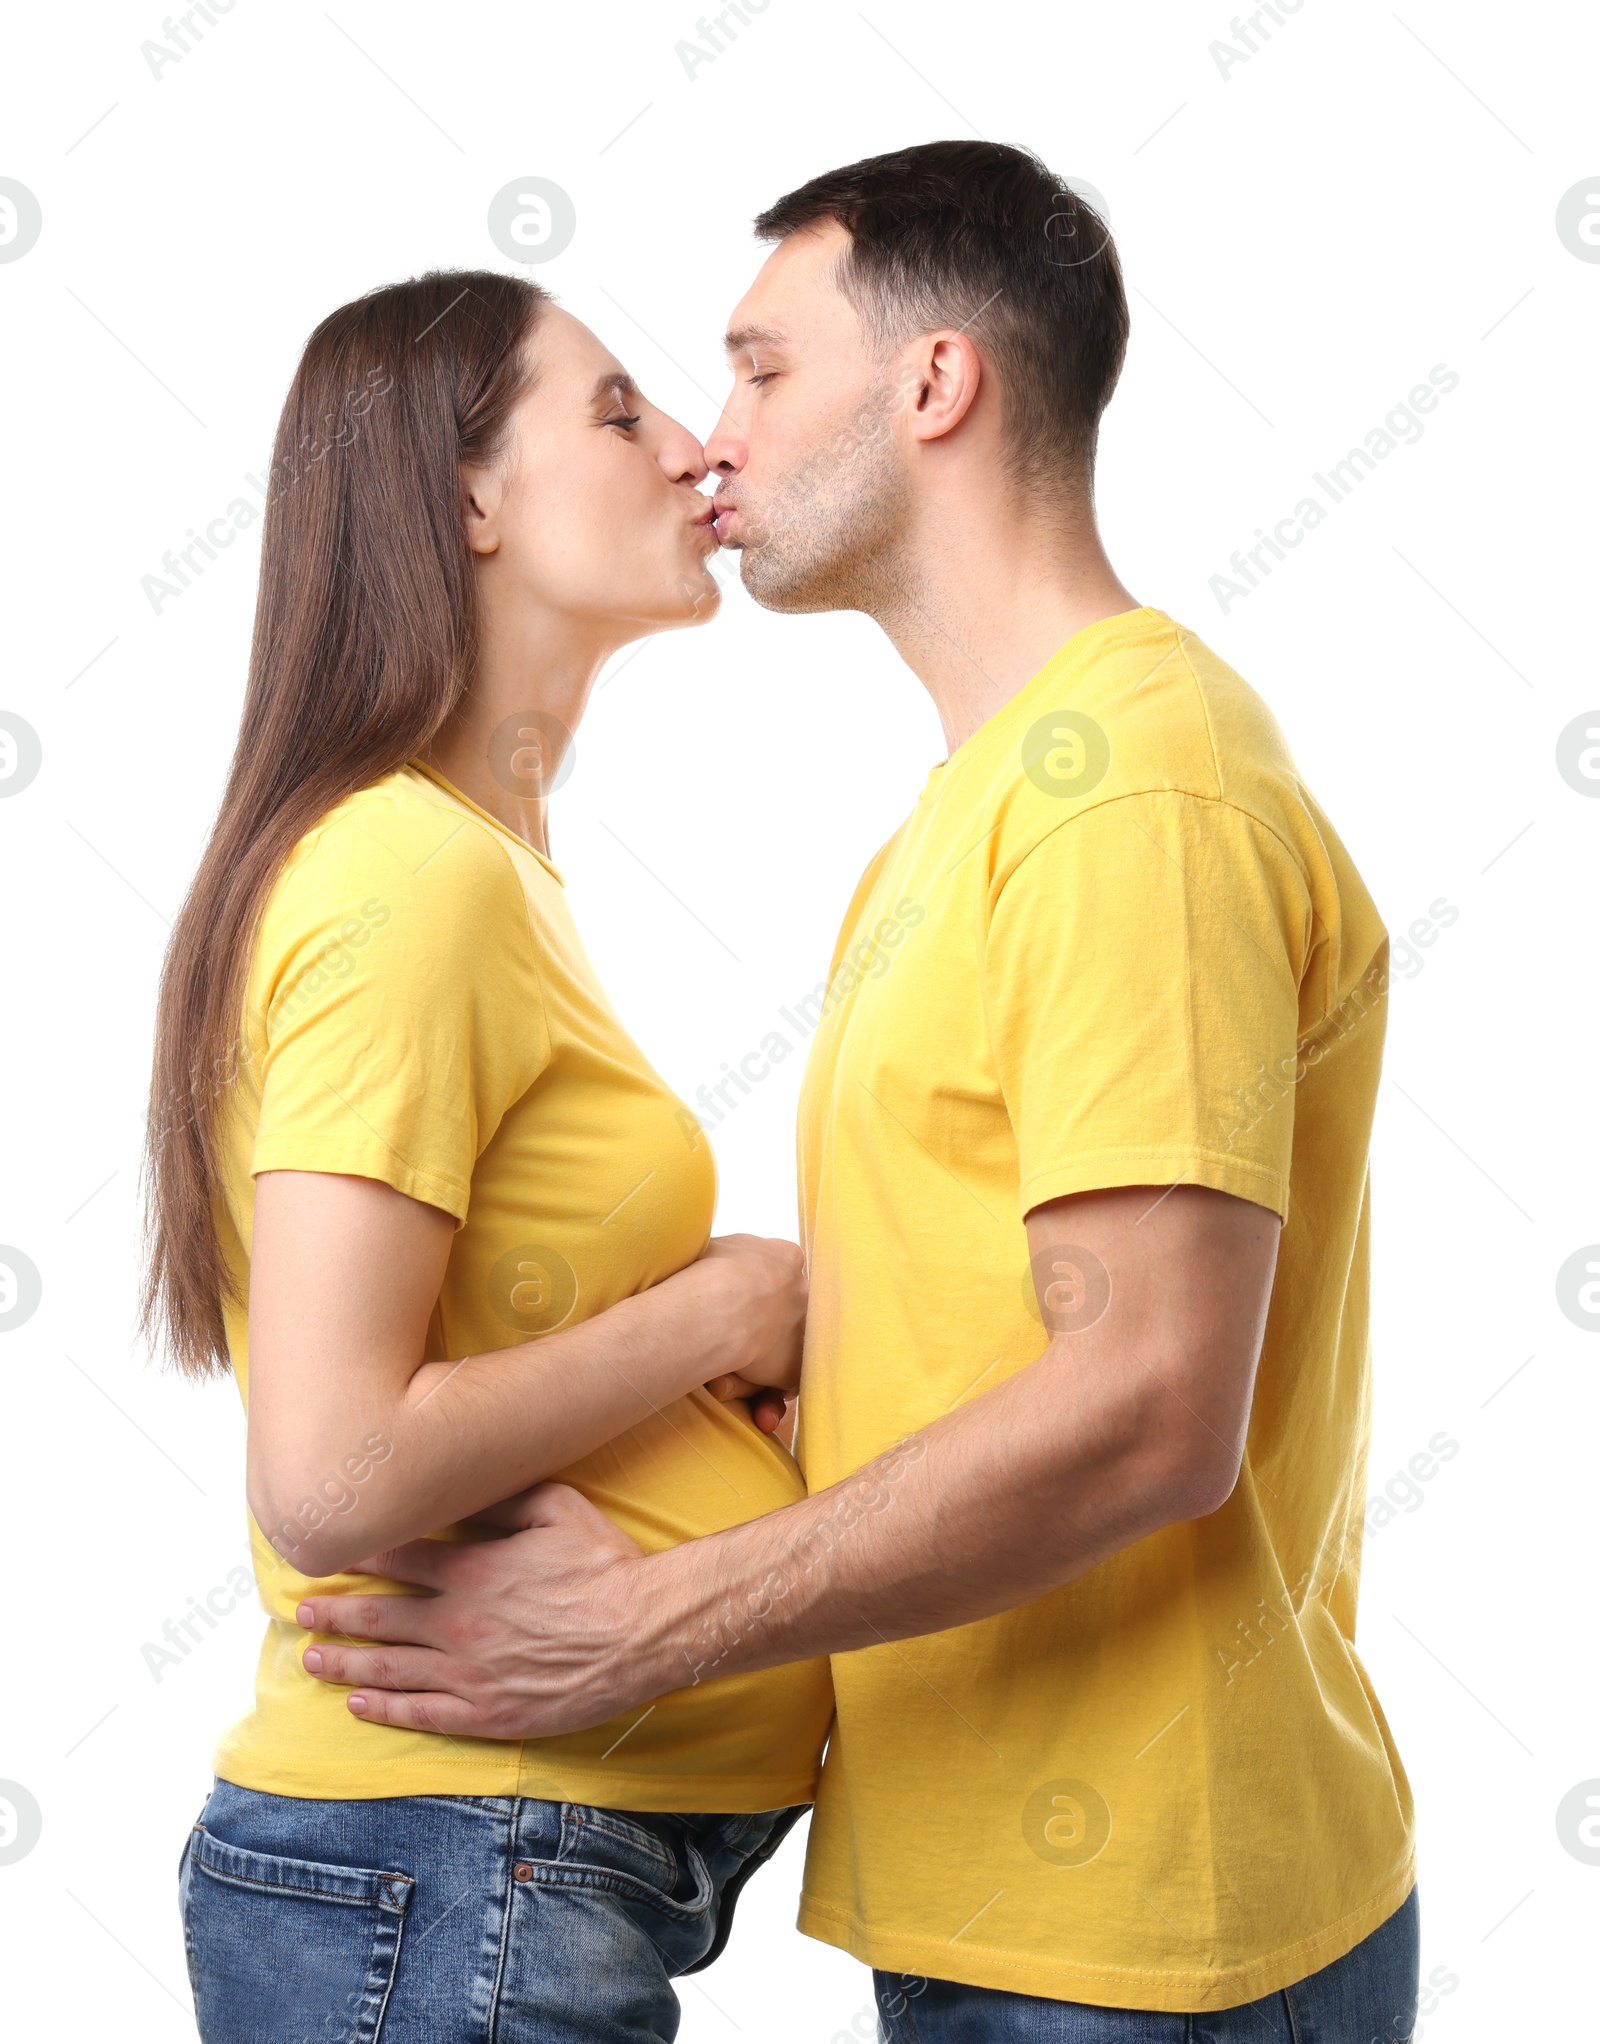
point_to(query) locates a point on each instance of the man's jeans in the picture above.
(1367, 1997)
(451, 1919)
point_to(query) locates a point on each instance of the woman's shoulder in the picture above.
(404, 832)
(397, 852)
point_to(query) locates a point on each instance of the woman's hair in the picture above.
(365, 637)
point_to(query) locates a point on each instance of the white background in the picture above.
(1367, 196)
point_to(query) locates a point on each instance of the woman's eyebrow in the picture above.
(614, 383)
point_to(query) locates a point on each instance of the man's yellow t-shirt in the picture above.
(1116, 943)
(420, 1011)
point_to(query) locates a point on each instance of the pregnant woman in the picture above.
(414, 1182)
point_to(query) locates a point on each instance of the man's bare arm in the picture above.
(1128, 1422)
(1125, 1425)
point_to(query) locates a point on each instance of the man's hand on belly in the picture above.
(518, 1640)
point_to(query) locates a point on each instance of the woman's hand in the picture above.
(759, 1282)
(768, 1407)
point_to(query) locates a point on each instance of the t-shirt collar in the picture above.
(433, 774)
(1058, 671)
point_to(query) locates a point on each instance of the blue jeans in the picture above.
(1367, 1997)
(454, 1919)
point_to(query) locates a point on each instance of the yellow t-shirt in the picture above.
(420, 1010)
(1116, 943)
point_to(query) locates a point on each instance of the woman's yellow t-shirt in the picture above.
(420, 1011)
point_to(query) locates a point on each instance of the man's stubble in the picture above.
(833, 535)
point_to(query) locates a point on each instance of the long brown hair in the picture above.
(365, 637)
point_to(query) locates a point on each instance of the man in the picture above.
(1083, 1153)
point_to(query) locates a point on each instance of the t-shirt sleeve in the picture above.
(398, 1008)
(1143, 969)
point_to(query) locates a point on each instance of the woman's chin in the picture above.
(694, 598)
(699, 598)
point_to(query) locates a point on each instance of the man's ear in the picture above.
(482, 493)
(942, 383)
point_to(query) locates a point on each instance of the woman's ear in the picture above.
(482, 494)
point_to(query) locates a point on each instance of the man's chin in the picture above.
(776, 586)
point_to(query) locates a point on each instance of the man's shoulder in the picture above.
(1179, 718)
(1154, 716)
(1160, 741)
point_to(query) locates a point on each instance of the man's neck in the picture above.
(983, 604)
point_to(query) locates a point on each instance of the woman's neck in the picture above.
(504, 743)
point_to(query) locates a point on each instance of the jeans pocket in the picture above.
(748, 1842)
(288, 1951)
(629, 1856)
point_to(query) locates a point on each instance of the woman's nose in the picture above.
(688, 462)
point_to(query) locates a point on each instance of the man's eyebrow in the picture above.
(743, 339)
(615, 382)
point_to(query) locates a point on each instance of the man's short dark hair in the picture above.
(980, 235)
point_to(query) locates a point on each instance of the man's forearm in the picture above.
(988, 1507)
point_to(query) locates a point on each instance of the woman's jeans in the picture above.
(454, 1919)
(1367, 1997)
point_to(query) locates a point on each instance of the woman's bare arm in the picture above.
(356, 1443)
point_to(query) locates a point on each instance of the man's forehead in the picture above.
(796, 285)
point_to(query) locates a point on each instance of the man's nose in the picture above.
(726, 447)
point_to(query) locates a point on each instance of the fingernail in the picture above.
(359, 1705)
(304, 1615)
(312, 1659)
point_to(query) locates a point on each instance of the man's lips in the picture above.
(723, 513)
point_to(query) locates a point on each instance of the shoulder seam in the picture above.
(1188, 795)
(504, 862)
(1205, 708)
(509, 866)
(1140, 794)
